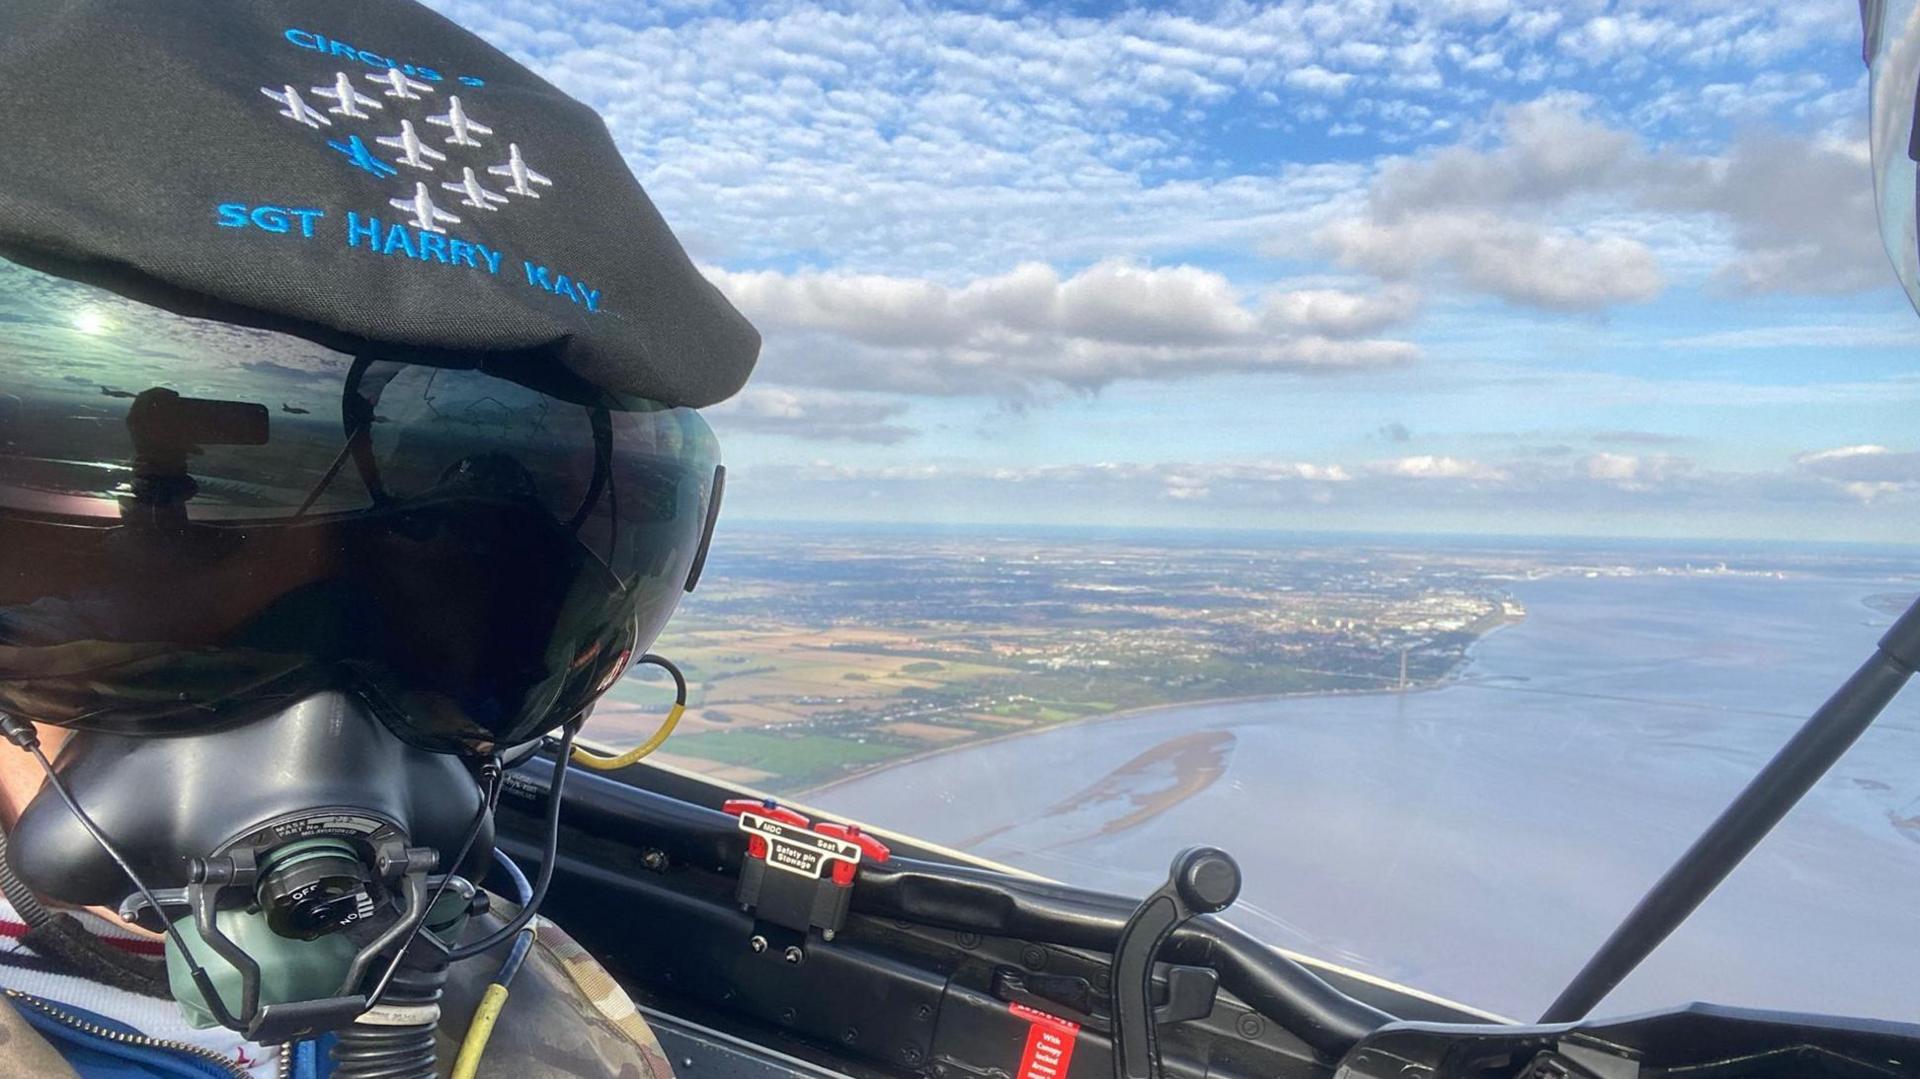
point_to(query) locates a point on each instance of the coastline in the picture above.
(1453, 678)
(1127, 713)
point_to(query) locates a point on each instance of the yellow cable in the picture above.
(588, 759)
(478, 1031)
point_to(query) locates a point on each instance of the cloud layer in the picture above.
(953, 144)
(1497, 208)
(1839, 483)
(1017, 334)
(813, 414)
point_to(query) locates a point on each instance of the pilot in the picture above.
(349, 451)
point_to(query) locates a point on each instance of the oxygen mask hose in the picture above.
(395, 1039)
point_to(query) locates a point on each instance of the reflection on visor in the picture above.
(196, 519)
(1892, 50)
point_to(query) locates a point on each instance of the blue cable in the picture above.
(522, 891)
(523, 940)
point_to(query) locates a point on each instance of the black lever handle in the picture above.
(1203, 880)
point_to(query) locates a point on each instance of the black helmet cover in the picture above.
(365, 174)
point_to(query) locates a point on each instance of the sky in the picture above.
(1456, 266)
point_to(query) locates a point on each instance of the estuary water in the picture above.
(1479, 840)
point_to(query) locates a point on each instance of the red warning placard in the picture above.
(1049, 1043)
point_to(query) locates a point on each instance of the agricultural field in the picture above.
(812, 659)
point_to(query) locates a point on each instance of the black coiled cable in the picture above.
(394, 1051)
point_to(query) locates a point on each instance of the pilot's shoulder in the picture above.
(566, 1016)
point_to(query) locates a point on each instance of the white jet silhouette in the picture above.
(464, 127)
(294, 107)
(347, 100)
(413, 152)
(476, 196)
(426, 216)
(398, 85)
(516, 170)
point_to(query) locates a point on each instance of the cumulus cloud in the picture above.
(1636, 472)
(1866, 472)
(1017, 333)
(1118, 302)
(1462, 211)
(1516, 261)
(1319, 80)
(1796, 213)
(1339, 313)
(1113, 301)
(1428, 466)
(1800, 212)
(813, 414)
(1549, 148)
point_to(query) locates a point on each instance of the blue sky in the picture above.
(1455, 266)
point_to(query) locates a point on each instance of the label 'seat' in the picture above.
(798, 850)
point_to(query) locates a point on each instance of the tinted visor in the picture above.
(199, 521)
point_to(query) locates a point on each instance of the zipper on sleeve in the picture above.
(97, 1031)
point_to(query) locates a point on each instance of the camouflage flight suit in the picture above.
(566, 1017)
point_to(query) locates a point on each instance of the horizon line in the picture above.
(777, 523)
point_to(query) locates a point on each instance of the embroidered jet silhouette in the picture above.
(295, 107)
(426, 216)
(463, 127)
(347, 100)
(413, 152)
(398, 85)
(477, 196)
(517, 170)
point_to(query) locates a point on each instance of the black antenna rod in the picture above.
(1789, 775)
